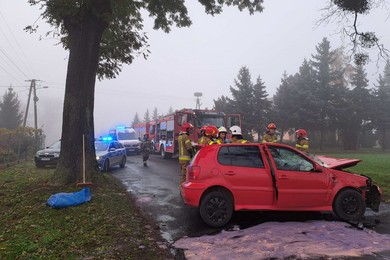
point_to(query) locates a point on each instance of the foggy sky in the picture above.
(203, 58)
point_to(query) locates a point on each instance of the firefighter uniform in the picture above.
(237, 135)
(146, 147)
(268, 138)
(185, 151)
(302, 140)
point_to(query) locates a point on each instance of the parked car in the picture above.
(110, 153)
(48, 156)
(225, 178)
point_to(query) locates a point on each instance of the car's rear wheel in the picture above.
(349, 205)
(216, 208)
(123, 163)
(106, 165)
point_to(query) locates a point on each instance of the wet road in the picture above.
(157, 192)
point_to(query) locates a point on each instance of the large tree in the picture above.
(381, 117)
(10, 114)
(101, 35)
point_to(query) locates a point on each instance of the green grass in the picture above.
(374, 164)
(110, 226)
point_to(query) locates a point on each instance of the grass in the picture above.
(110, 226)
(375, 165)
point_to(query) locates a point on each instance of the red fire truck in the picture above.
(165, 131)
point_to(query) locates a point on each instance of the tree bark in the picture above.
(84, 41)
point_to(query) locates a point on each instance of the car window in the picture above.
(56, 145)
(118, 145)
(112, 145)
(287, 159)
(246, 156)
(101, 146)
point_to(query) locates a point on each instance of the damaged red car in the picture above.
(225, 178)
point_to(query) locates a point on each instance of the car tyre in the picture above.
(123, 163)
(216, 208)
(106, 165)
(349, 205)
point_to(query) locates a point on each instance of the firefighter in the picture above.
(211, 135)
(270, 135)
(237, 135)
(146, 147)
(302, 140)
(186, 150)
(221, 139)
(201, 140)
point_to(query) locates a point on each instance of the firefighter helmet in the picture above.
(203, 128)
(222, 130)
(211, 131)
(271, 126)
(301, 133)
(236, 130)
(186, 127)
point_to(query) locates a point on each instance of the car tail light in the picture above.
(192, 172)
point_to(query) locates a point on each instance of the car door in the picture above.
(298, 185)
(112, 154)
(243, 168)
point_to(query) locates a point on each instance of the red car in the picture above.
(228, 177)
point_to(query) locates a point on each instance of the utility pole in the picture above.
(32, 88)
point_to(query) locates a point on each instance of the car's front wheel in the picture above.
(106, 165)
(123, 163)
(349, 205)
(216, 208)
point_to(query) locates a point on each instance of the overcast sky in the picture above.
(203, 58)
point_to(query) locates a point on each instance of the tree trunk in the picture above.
(84, 41)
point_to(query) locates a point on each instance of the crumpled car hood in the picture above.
(338, 163)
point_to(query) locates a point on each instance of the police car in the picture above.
(109, 153)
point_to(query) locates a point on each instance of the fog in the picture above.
(203, 58)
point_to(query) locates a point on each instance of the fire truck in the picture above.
(164, 132)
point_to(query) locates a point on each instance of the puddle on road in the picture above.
(144, 199)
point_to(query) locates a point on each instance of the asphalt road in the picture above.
(157, 192)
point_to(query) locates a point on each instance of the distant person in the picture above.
(186, 150)
(146, 147)
(302, 140)
(270, 135)
(237, 135)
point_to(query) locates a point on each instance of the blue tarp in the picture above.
(63, 200)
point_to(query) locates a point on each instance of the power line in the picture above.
(9, 73)
(5, 54)
(16, 41)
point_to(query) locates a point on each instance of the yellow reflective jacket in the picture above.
(267, 138)
(302, 145)
(185, 146)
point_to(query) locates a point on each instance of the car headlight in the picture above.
(97, 158)
(56, 155)
(38, 153)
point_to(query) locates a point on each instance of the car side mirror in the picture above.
(317, 168)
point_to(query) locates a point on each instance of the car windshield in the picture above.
(56, 145)
(101, 146)
(127, 136)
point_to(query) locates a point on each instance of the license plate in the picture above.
(45, 159)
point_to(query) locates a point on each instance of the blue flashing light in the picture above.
(121, 128)
(106, 138)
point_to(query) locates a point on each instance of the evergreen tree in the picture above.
(147, 116)
(170, 111)
(155, 114)
(136, 119)
(224, 104)
(381, 117)
(243, 99)
(10, 114)
(329, 89)
(262, 106)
